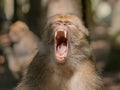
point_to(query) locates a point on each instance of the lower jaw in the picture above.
(61, 60)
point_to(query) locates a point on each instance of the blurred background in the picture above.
(101, 17)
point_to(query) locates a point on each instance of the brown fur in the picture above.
(77, 73)
(25, 47)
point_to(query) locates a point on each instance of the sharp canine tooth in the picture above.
(55, 34)
(61, 30)
(65, 34)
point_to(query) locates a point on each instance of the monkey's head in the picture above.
(66, 33)
(18, 31)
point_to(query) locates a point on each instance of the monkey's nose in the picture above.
(64, 24)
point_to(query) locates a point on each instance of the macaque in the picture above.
(67, 63)
(25, 47)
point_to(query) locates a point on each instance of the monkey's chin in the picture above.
(61, 58)
(61, 45)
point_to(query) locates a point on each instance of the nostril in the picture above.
(64, 24)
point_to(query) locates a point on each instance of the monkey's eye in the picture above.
(70, 23)
(57, 23)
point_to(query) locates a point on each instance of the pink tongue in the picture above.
(61, 49)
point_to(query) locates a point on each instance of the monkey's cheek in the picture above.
(14, 38)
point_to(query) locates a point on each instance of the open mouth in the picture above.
(61, 44)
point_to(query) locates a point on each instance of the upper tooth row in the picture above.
(65, 32)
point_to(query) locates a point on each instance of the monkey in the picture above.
(24, 48)
(67, 63)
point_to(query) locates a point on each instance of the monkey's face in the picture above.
(14, 36)
(60, 40)
(66, 34)
(18, 31)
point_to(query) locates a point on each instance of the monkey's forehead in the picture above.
(19, 25)
(65, 17)
(71, 18)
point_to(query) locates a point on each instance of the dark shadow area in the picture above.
(7, 80)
